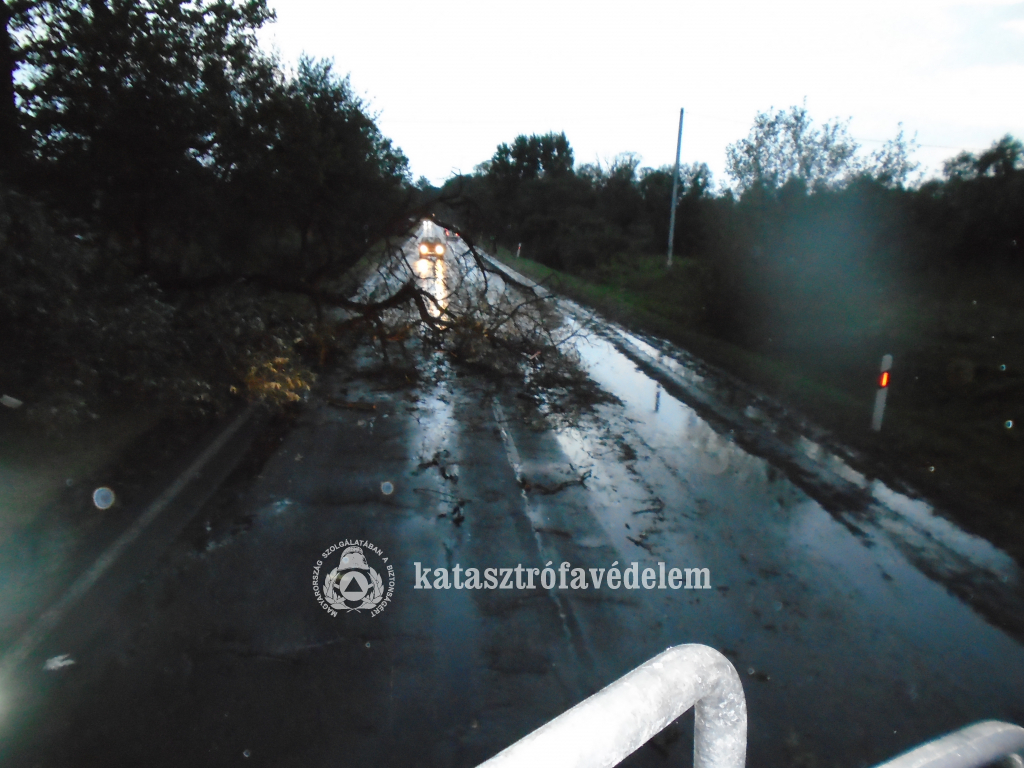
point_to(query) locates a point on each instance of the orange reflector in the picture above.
(884, 380)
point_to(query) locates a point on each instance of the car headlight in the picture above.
(424, 249)
(438, 249)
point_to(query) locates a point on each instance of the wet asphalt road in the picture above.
(218, 652)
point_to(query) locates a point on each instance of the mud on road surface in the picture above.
(852, 643)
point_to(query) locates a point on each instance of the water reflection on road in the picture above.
(434, 271)
(859, 618)
(686, 439)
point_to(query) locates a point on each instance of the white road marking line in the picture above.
(53, 615)
(561, 602)
(506, 439)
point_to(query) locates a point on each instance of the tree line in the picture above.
(175, 204)
(184, 147)
(803, 244)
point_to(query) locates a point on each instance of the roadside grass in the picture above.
(957, 383)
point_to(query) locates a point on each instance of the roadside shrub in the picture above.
(77, 335)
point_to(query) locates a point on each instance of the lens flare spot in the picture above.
(387, 488)
(103, 498)
(58, 662)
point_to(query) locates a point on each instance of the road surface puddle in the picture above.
(697, 453)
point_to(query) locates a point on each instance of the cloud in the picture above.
(454, 78)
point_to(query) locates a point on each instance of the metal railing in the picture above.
(617, 720)
(971, 747)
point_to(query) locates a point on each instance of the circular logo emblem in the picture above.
(353, 584)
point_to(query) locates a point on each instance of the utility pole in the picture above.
(675, 191)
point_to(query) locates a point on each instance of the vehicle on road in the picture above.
(432, 243)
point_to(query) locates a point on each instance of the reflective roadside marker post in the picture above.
(883, 391)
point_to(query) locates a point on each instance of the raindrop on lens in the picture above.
(103, 498)
(387, 488)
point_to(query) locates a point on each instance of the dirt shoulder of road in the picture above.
(37, 469)
(971, 475)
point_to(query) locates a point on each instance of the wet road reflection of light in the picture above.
(439, 288)
(833, 463)
(434, 272)
(423, 268)
(672, 427)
